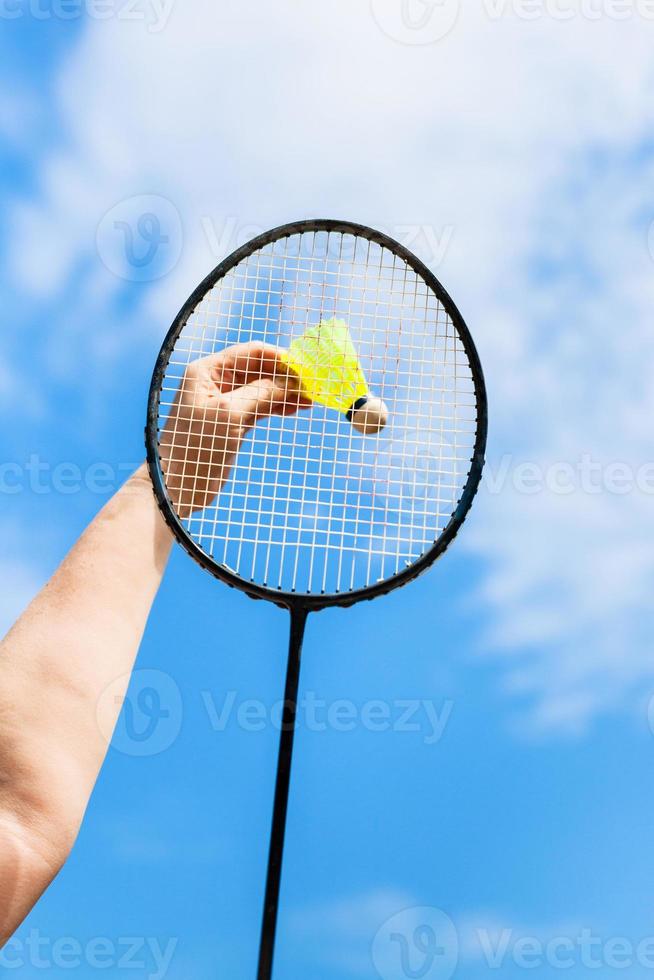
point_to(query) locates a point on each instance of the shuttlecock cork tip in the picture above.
(368, 415)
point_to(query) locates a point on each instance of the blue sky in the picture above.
(514, 154)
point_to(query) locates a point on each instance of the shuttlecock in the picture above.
(325, 360)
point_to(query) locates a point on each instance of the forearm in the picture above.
(79, 635)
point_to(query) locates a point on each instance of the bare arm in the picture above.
(80, 633)
(84, 628)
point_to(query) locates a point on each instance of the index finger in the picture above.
(242, 364)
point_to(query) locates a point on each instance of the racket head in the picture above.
(271, 245)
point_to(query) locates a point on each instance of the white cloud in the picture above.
(343, 929)
(520, 136)
(570, 573)
(386, 932)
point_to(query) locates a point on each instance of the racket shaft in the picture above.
(282, 787)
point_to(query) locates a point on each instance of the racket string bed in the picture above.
(308, 496)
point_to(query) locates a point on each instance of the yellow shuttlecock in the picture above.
(325, 360)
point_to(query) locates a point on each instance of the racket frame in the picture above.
(296, 600)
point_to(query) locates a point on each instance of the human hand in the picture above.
(220, 398)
